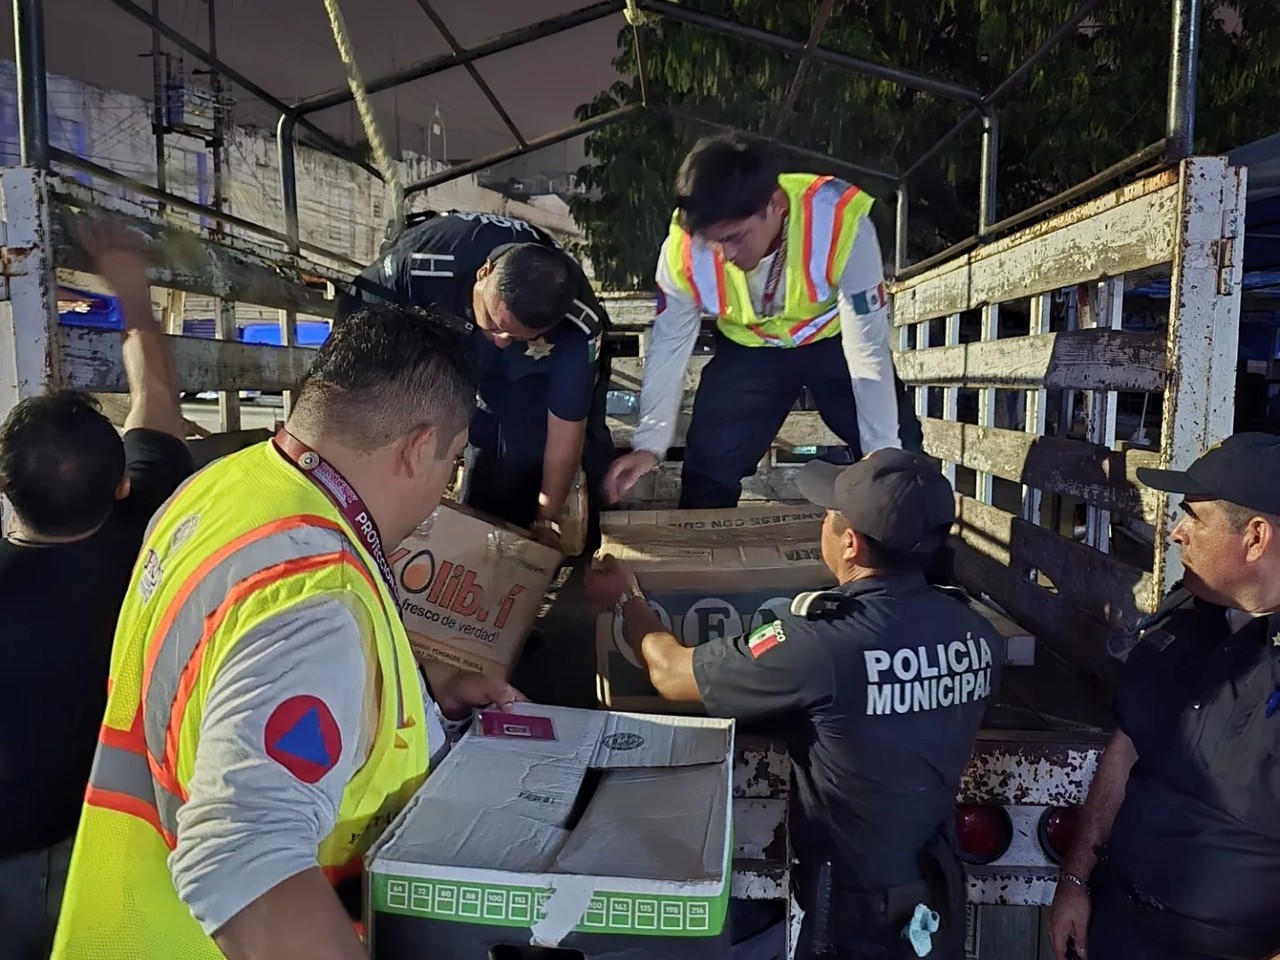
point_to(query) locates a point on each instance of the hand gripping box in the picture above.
(471, 588)
(707, 573)
(603, 835)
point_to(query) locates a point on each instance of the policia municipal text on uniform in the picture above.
(878, 686)
(265, 719)
(790, 268)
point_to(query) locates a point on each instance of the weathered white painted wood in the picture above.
(1072, 359)
(184, 258)
(802, 428)
(1036, 403)
(1113, 593)
(29, 362)
(228, 400)
(91, 361)
(987, 397)
(1204, 327)
(1130, 229)
(1090, 472)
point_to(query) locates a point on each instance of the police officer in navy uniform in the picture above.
(537, 341)
(1177, 855)
(879, 687)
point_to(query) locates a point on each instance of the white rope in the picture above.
(381, 156)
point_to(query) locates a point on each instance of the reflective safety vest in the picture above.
(246, 538)
(821, 227)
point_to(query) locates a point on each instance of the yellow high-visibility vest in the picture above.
(822, 224)
(245, 539)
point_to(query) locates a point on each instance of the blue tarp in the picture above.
(92, 310)
(311, 333)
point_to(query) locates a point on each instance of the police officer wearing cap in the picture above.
(878, 686)
(1177, 855)
(537, 337)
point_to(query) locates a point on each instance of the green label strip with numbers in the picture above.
(644, 914)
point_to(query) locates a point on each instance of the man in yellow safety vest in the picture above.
(265, 718)
(789, 266)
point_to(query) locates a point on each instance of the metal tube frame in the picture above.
(1180, 127)
(470, 67)
(816, 29)
(33, 115)
(33, 93)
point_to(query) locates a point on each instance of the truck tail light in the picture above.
(983, 832)
(1058, 830)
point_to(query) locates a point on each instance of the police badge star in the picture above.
(538, 348)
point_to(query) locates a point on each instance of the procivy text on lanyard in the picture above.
(323, 474)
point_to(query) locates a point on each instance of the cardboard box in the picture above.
(603, 833)
(471, 588)
(707, 573)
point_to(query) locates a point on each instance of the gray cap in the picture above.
(896, 497)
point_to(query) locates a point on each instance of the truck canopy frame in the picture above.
(1177, 143)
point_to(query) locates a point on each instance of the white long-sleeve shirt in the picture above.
(864, 336)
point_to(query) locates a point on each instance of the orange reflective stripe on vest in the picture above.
(121, 780)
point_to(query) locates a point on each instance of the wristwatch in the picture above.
(633, 592)
(544, 524)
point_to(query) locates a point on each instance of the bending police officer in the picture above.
(878, 686)
(537, 344)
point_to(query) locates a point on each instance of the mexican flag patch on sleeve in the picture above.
(763, 639)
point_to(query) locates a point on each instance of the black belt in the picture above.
(1165, 928)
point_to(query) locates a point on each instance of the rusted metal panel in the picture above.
(1042, 771)
(92, 361)
(1094, 473)
(1204, 324)
(761, 791)
(1129, 229)
(29, 362)
(1071, 360)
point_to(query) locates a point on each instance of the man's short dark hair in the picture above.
(724, 178)
(883, 560)
(61, 462)
(535, 283)
(385, 372)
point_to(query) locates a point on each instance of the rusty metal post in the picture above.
(33, 95)
(1183, 64)
(990, 168)
(158, 117)
(285, 130)
(900, 230)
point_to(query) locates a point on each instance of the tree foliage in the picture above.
(1099, 97)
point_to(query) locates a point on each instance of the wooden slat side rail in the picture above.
(1095, 474)
(1054, 620)
(802, 428)
(1071, 360)
(91, 361)
(182, 259)
(627, 374)
(1113, 593)
(1131, 229)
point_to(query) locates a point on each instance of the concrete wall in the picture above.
(341, 208)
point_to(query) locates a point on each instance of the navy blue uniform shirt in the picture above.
(434, 263)
(1199, 827)
(879, 703)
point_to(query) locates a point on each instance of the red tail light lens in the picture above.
(1058, 830)
(983, 833)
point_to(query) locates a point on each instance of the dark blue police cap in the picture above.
(896, 497)
(1243, 469)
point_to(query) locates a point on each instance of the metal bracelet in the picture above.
(633, 593)
(1072, 878)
